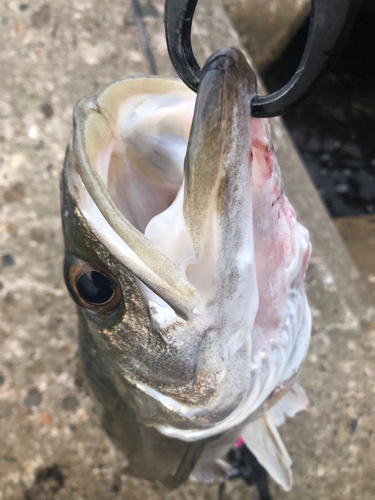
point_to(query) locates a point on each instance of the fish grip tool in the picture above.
(330, 23)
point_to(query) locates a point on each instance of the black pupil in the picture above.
(94, 287)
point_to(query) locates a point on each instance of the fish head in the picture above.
(182, 253)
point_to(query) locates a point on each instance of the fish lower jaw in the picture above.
(252, 406)
(274, 368)
(243, 415)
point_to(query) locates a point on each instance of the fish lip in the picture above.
(223, 60)
(227, 61)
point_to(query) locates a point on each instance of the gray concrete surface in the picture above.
(266, 27)
(51, 443)
(358, 234)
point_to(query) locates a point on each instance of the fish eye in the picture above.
(91, 286)
(94, 287)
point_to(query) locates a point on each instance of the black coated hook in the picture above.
(330, 22)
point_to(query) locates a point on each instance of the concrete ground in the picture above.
(51, 443)
(358, 234)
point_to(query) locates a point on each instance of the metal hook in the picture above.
(330, 22)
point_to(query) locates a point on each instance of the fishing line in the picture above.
(144, 38)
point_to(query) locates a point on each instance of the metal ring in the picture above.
(330, 23)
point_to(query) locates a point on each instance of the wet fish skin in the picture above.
(151, 377)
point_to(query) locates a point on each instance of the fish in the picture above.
(187, 264)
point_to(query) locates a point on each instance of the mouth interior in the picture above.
(143, 166)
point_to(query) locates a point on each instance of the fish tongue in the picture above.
(218, 178)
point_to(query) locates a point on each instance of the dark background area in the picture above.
(334, 129)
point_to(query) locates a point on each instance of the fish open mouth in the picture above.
(194, 219)
(134, 154)
(188, 196)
